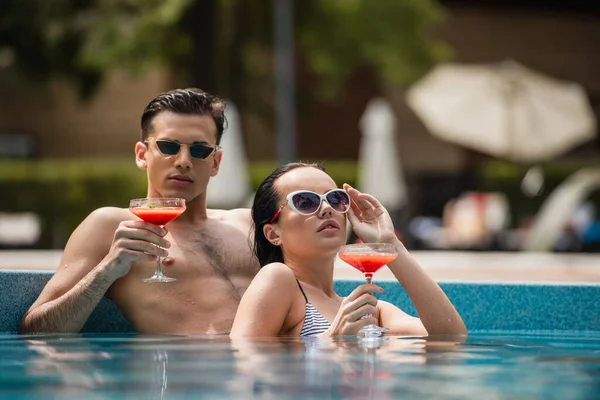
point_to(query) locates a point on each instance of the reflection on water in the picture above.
(177, 367)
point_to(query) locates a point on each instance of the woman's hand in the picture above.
(349, 319)
(370, 220)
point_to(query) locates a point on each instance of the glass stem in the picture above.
(158, 269)
(369, 279)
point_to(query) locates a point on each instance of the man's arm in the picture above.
(70, 311)
(98, 252)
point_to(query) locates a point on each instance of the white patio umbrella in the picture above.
(231, 187)
(379, 168)
(503, 109)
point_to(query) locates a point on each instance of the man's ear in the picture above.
(140, 155)
(216, 163)
(271, 232)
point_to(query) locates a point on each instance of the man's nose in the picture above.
(183, 158)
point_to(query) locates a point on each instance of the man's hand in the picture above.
(135, 241)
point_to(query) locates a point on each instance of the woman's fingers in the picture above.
(372, 320)
(363, 204)
(358, 309)
(362, 312)
(354, 207)
(363, 201)
(355, 326)
(352, 216)
(373, 202)
(357, 199)
(365, 288)
(364, 299)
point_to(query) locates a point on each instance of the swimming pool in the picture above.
(526, 341)
(123, 366)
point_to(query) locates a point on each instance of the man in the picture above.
(112, 251)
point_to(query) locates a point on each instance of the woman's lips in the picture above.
(329, 226)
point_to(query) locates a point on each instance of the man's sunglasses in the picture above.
(200, 151)
(305, 202)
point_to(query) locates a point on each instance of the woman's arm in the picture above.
(372, 223)
(398, 322)
(435, 310)
(266, 303)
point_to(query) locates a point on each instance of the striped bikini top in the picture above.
(314, 322)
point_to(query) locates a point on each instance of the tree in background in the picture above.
(82, 40)
(394, 37)
(225, 46)
(339, 44)
(211, 42)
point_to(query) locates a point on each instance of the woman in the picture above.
(297, 235)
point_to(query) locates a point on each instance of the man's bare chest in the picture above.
(226, 253)
(209, 267)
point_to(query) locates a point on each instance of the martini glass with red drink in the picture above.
(368, 258)
(158, 211)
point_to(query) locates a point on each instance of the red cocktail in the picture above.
(368, 264)
(158, 211)
(158, 216)
(368, 258)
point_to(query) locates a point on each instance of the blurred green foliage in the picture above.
(63, 193)
(334, 39)
(393, 37)
(84, 39)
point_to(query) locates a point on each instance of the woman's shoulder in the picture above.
(279, 284)
(278, 272)
(274, 282)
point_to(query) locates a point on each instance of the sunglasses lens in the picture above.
(338, 200)
(168, 148)
(200, 151)
(306, 202)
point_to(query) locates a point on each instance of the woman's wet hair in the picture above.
(267, 202)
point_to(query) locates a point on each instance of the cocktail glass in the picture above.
(368, 258)
(158, 211)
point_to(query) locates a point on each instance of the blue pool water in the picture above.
(127, 366)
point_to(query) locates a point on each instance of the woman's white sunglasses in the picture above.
(306, 202)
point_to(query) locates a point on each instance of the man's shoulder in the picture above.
(106, 217)
(110, 215)
(232, 213)
(97, 229)
(235, 216)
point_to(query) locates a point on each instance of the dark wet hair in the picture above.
(266, 203)
(190, 101)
